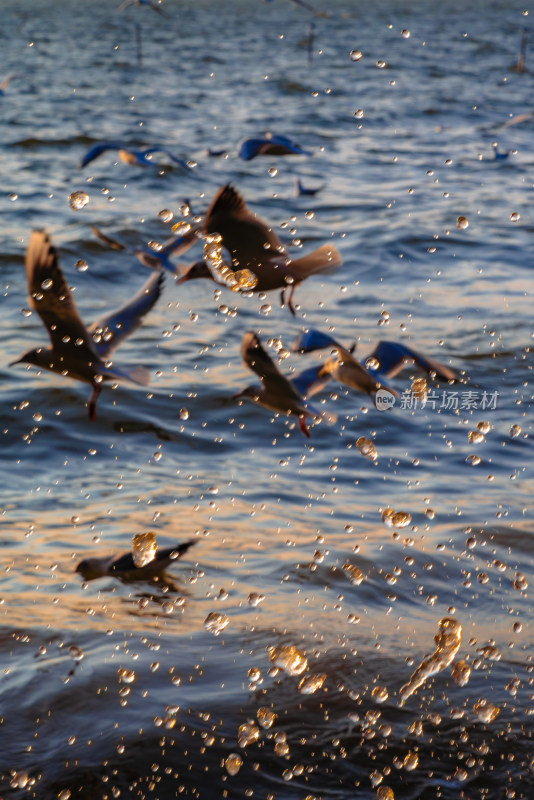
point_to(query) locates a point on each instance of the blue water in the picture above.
(272, 512)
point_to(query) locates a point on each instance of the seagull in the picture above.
(386, 361)
(146, 3)
(499, 155)
(270, 145)
(276, 392)
(5, 83)
(124, 566)
(304, 190)
(131, 156)
(148, 256)
(255, 247)
(77, 351)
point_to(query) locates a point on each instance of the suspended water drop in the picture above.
(184, 413)
(165, 214)
(289, 658)
(520, 582)
(233, 763)
(359, 113)
(126, 675)
(515, 430)
(355, 55)
(461, 672)
(215, 623)
(372, 363)
(385, 793)
(380, 694)
(26, 312)
(514, 216)
(78, 200)
(485, 711)
(367, 448)
(462, 223)
(254, 599)
(448, 642)
(144, 548)
(353, 573)
(247, 733)
(265, 309)
(266, 717)
(473, 460)
(311, 683)
(47, 284)
(483, 426)
(405, 33)
(475, 437)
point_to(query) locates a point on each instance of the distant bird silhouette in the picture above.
(76, 351)
(270, 145)
(499, 155)
(303, 190)
(5, 83)
(155, 259)
(305, 5)
(254, 246)
(130, 155)
(124, 566)
(386, 361)
(147, 3)
(276, 392)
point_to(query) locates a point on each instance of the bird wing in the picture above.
(312, 339)
(125, 4)
(50, 297)
(6, 81)
(394, 356)
(151, 150)
(97, 149)
(260, 362)
(109, 331)
(324, 259)
(310, 381)
(113, 244)
(243, 234)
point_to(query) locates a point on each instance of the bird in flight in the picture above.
(147, 3)
(129, 155)
(124, 566)
(77, 351)
(255, 247)
(271, 144)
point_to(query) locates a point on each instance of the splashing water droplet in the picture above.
(266, 717)
(359, 113)
(462, 223)
(144, 548)
(355, 55)
(367, 448)
(475, 437)
(473, 460)
(385, 793)
(311, 683)
(485, 711)
(372, 363)
(353, 573)
(247, 733)
(215, 623)
(461, 672)
(233, 763)
(448, 640)
(47, 284)
(514, 216)
(254, 599)
(81, 265)
(126, 675)
(380, 694)
(405, 33)
(515, 430)
(184, 413)
(78, 200)
(289, 658)
(165, 214)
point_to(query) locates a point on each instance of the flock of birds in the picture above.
(241, 252)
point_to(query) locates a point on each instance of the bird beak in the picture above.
(238, 395)
(322, 371)
(17, 361)
(183, 279)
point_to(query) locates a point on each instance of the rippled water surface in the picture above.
(325, 669)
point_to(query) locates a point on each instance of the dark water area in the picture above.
(112, 688)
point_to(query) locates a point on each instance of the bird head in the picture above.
(197, 270)
(38, 356)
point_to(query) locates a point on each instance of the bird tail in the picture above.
(324, 259)
(139, 375)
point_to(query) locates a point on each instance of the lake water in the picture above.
(115, 689)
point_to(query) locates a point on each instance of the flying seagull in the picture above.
(130, 155)
(77, 351)
(124, 566)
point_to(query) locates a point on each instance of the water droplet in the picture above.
(462, 223)
(184, 413)
(520, 582)
(78, 200)
(215, 623)
(385, 793)
(165, 215)
(81, 265)
(430, 513)
(272, 172)
(405, 33)
(310, 214)
(475, 437)
(411, 760)
(359, 113)
(26, 312)
(47, 284)
(233, 763)
(486, 712)
(380, 64)
(514, 216)
(247, 733)
(157, 456)
(266, 717)
(311, 683)
(473, 460)
(355, 55)
(483, 426)
(461, 672)
(380, 694)
(289, 658)
(372, 363)
(13, 197)
(265, 309)
(126, 675)
(515, 430)
(353, 573)
(448, 640)
(367, 448)
(144, 548)
(254, 599)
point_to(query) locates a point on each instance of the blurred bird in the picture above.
(147, 3)
(499, 155)
(124, 566)
(386, 361)
(150, 257)
(76, 351)
(270, 145)
(305, 5)
(255, 247)
(5, 83)
(131, 156)
(276, 392)
(303, 190)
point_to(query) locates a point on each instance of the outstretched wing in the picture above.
(260, 362)
(310, 381)
(394, 356)
(247, 238)
(109, 331)
(98, 149)
(50, 297)
(311, 340)
(173, 158)
(113, 244)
